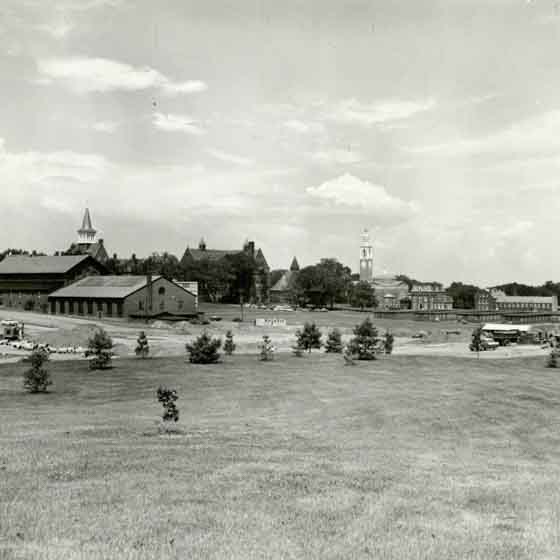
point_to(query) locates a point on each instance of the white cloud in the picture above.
(86, 75)
(351, 111)
(177, 123)
(231, 158)
(304, 127)
(336, 156)
(348, 191)
(105, 126)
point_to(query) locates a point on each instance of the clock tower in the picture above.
(366, 258)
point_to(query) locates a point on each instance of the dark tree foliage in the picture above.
(167, 398)
(297, 348)
(362, 295)
(142, 348)
(334, 342)
(552, 360)
(100, 346)
(366, 343)
(463, 295)
(204, 350)
(37, 379)
(266, 349)
(229, 345)
(476, 340)
(309, 337)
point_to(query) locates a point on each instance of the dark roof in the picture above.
(210, 254)
(294, 265)
(23, 264)
(104, 286)
(285, 282)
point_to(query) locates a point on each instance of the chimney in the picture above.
(149, 286)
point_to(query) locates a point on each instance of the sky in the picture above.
(297, 124)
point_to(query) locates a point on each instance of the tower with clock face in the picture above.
(366, 258)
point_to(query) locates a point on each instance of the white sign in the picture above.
(261, 322)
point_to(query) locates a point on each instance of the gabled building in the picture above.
(88, 243)
(25, 281)
(430, 297)
(124, 296)
(494, 299)
(281, 290)
(261, 283)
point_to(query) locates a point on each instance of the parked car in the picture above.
(486, 343)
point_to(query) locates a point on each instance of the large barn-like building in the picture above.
(124, 296)
(26, 281)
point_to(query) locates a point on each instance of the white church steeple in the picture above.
(86, 234)
(366, 258)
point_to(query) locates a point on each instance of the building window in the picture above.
(162, 304)
(140, 305)
(90, 307)
(80, 307)
(109, 308)
(119, 308)
(71, 307)
(180, 304)
(161, 291)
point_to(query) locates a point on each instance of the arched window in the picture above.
(161, 291)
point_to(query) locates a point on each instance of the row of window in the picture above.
(86, 307)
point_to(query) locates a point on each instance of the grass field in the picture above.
(403, 458)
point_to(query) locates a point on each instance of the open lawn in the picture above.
(408, 457)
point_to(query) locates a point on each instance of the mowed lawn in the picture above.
(402, 458)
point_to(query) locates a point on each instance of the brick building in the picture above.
(497, 300)
(25, 281)
(123, 296)
(430, 297)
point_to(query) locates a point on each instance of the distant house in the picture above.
(496, 300)
(26, 281)
(261, 285)
(281, 290)
(87, 243)
(123, 296)
(430, 297)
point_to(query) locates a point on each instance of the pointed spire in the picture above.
(202, 244)
(86, 222)
(86, 234)
(295, 265)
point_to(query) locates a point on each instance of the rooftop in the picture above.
(104, 287)
(24, 264)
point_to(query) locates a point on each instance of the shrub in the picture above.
(476, 340)
(365, 343)
(310, 337)
(167, 398)
(388, 342)
(237, 320)
(267, 349)
(334, 342)
(552, 360)
(298, 348)
(29, 305)
(37, 379)
(142, 349)
(204, 350)
(229, 345)
(100, 346)
(348, 356)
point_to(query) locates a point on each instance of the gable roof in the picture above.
(285, 282)
(210, 254)
(24, 264)
(104, 286)
(295, 265)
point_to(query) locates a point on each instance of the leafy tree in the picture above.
(167, 398)
(362, 295)
(348, 355)
(476, 341)
(463, 295)
(334, 342)
(297, 348)
(266, 349)
(365, 343)
(229, 345)
(100, 346)
(37, 379)
(142, 349)
(552, 360)
(388, 342)
(310, 337)
(204, 350)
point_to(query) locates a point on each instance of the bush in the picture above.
(348, 356)
(310, 337)
(204, 350)
(229, 345)
(100, 346)
(365, 344)
(167, 398)
(142, 349)
(37, 379)
(298, 348)
(552, 360)
(334, 342)
(388, 342)
(237, 320)
(476, 340)
(29, 305)
(267, 349)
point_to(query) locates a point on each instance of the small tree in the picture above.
(167, 398)
(267, 349)
(310, 337)
(388, 342)
(552, 360)
(100, 346)
(37, 379)
(142, 349)
(365, 343)
(229, 345)
(298, 348)
(204, 350)
(334, 342)
(348, 356)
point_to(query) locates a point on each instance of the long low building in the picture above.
(123, 296)
(496, 300)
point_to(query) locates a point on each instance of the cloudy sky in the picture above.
(435, 124)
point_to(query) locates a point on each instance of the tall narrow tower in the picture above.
(86, 234)
(366, 258)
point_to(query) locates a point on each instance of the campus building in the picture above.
(88, 243)
(496, 300)
(281, 290)
(391, 293)
(123, 296)
(26, 281)
(430, 297)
